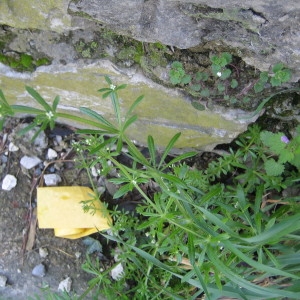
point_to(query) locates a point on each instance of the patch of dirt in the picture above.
(64, 258)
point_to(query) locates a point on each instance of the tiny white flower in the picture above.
(219, 74)
(49, 115)
(112, 87)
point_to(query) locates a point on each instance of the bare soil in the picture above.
(16, 263)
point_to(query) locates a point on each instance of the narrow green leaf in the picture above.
(38, 98)
(128, 122)
(104, 90)
(55, 103)
(3, 98)
(262, 291)
(272, 258)
(134, 105)
(27, 128)
(96, 116)
(234, 249)
(116, 107)
(286, 226)
(123, 190)
(211, 194)
(152, 150)
(136, 154)
(107, 79)
(169, 147)
(121, 87)
(180, 158)
(27, 110)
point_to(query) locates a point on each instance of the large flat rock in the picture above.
(162, 113)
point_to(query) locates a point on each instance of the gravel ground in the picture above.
(31, 263)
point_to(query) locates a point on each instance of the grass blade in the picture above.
(152, 150)
(287, 226)
(265, 293)
(168, 148)
(129, 122)
(116, 107)
(134, 105)
(55, 103)
(96, 116)
(38, 98)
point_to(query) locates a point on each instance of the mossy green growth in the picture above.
(86, 49)
(23, 62)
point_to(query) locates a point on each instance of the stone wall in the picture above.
(262, 32)
(65, 32)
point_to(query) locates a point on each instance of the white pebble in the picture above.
(52, 179)
(43, 252)
(12, 147)
(117, 272)
(9, 182)
(51, 154)
(29, 162)
(3, 281)
(65, 285)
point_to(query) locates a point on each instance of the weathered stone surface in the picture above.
(47, 15)
(263, 33)
(162, 113)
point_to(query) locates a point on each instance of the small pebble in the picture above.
(52, 179)
(39, 271)
(77, 254)
(51, 154)
(65, 285)
(117, 272)
(58, 139)
(9, 182)
(3, 280)
(4, 159)
(12, 147)
(28, 162)
(52, 169)
(43, 252)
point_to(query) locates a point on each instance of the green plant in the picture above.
(23, 62)
(178, 75)
(195, 233)
(221, 81)
(286, 150)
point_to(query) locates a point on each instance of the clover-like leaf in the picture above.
(273, 168)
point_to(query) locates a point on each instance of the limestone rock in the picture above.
(52, 179)
(3, 280)
(65, 285)
(29, 162)
(12, 147)
(9, 182)
(39, 271)
(262, 32)
(51, 154)
(163, 112)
